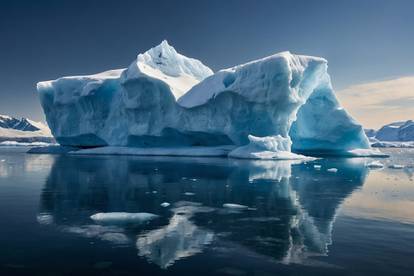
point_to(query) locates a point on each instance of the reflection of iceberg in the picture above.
(319, 194)
(290, 214)
(111, 234)
(179, 239)
(122, 218)
(266, 170)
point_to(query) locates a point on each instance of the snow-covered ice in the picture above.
(264, 109)
(271, 147)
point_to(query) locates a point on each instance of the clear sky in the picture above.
(369, 43)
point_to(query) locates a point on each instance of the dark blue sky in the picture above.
(363, 40)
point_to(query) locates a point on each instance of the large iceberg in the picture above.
(281, 103)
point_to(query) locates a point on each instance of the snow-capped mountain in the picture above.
(23, 130)
(14, 123)
(393, 135)
(397, 131)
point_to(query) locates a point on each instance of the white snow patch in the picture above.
(163, 62)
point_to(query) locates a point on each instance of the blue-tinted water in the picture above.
(298, 220)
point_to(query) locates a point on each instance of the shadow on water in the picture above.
(280, 210)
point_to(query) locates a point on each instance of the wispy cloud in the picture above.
(377, 103)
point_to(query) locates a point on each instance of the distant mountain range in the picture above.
(23, 130)
(397, 134)
(397, 131)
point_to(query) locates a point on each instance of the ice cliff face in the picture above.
(165, 99)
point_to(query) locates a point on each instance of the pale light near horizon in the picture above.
(375, 104)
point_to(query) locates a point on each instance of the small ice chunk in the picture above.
(235, 206)
(334, 170)
(189, 194)
(317, 167)
(123, 217)
(375, 165)
(3, 160)
(44, 218)
(396, 166)
(165, 204)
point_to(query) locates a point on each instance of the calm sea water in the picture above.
(296, 218)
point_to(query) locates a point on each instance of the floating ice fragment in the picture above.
(165, 204)
(375, 165)
(317, 167)
(123, 217)
(189, 194)
(334, 170)
(396, 166)
(235, 206)
(44, 218)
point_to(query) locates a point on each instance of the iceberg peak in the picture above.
(164, 63)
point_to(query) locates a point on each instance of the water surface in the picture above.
(225, 217)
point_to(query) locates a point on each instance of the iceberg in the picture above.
(278, 107)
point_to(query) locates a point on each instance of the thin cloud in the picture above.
(377, 103)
